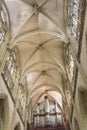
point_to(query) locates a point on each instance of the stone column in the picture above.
(47, 112)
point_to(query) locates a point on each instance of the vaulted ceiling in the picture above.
(38, 31)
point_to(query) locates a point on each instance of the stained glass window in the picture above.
(3, 16)
(21, 103)
(75, 15)
(75, 12)
(1, 37)
(70, 64)
(10, 70)
(3, 23)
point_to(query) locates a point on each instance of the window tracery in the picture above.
(70, 64)
(75, 13)
(22, 100)
(10, 70)
(3, 23)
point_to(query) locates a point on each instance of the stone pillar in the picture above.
(38, 112)
(47, 112)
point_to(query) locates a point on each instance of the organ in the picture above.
(48, 116)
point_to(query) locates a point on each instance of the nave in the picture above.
(43, 64)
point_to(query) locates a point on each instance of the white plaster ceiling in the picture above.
(38, 32)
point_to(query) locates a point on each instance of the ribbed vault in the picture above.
(38, 32)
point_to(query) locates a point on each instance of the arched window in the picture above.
(70, 64)
(3, 23)
(75, 16)
(10, 70)
(22, 99)
(11, 65)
